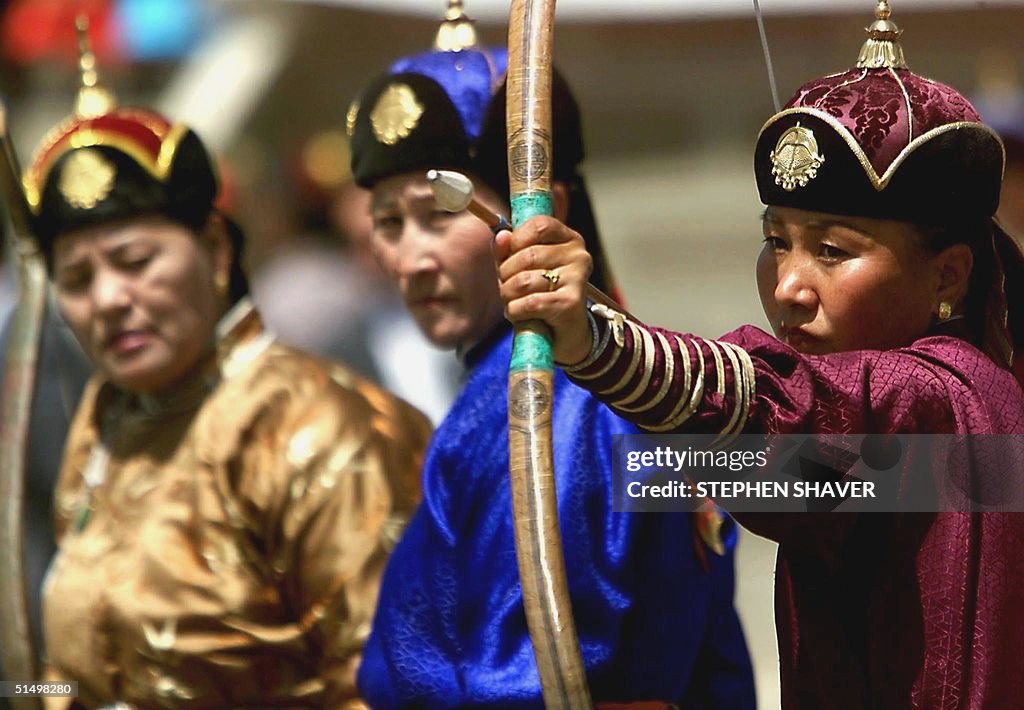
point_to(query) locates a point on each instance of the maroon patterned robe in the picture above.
(922, 610)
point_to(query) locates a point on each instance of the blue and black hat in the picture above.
(429, 110)
(445, 109)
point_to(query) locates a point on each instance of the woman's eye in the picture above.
(775, 243)
(832, 252)
(386, 222)
(72, 282)
(135, 263)
(133, 257)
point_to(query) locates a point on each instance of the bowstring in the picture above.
(767, 56)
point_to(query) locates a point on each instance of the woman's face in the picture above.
(141, 298)
(831, 283)
(441, 262)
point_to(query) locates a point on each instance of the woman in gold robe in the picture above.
(226, 504)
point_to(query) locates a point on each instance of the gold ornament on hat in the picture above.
(795, 160)
(882, 50)
(396, 114)
(86, 178)
(94, 99)
(457, 31)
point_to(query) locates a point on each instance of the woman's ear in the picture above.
(560, 201)
(953, 266)
(215, 236)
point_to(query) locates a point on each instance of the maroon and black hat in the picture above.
(880, 141)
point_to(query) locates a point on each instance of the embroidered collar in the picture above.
(240, 338)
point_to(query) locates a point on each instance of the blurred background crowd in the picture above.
(673, 94)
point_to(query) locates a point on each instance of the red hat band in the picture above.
(147, 138)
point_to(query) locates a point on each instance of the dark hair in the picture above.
(977, 235)
(238, 282)
(994, 305)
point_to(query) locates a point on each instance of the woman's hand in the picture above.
(543, 268)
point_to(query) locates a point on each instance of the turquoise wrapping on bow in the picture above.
(531, 350)
(530, 204)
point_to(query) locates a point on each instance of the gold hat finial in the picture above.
(457, 31)
(882, 48)
(94, 99)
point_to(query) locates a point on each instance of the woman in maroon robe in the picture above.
(895, 302)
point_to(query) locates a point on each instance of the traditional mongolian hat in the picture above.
(446, 109)
(106, 163)
(124, 163)
(880, 141)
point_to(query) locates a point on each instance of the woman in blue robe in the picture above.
(652, 594)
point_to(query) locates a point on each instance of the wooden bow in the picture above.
(531, 373)
(19, 657)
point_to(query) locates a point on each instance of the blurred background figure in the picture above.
(1000, 101)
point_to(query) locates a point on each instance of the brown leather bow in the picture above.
(531, 374)
(16, 643)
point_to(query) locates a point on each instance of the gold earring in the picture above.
(945, 311)
(220, 282)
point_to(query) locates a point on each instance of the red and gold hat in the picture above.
(880, 141)
(107, 163)
(147, 138)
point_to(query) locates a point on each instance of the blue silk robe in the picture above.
(450, 631)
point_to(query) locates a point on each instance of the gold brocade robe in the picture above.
(224, 549)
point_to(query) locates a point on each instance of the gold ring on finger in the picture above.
(551, 276)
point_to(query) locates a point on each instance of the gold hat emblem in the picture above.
(396, 114)
(86, 179)
(795, 160)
